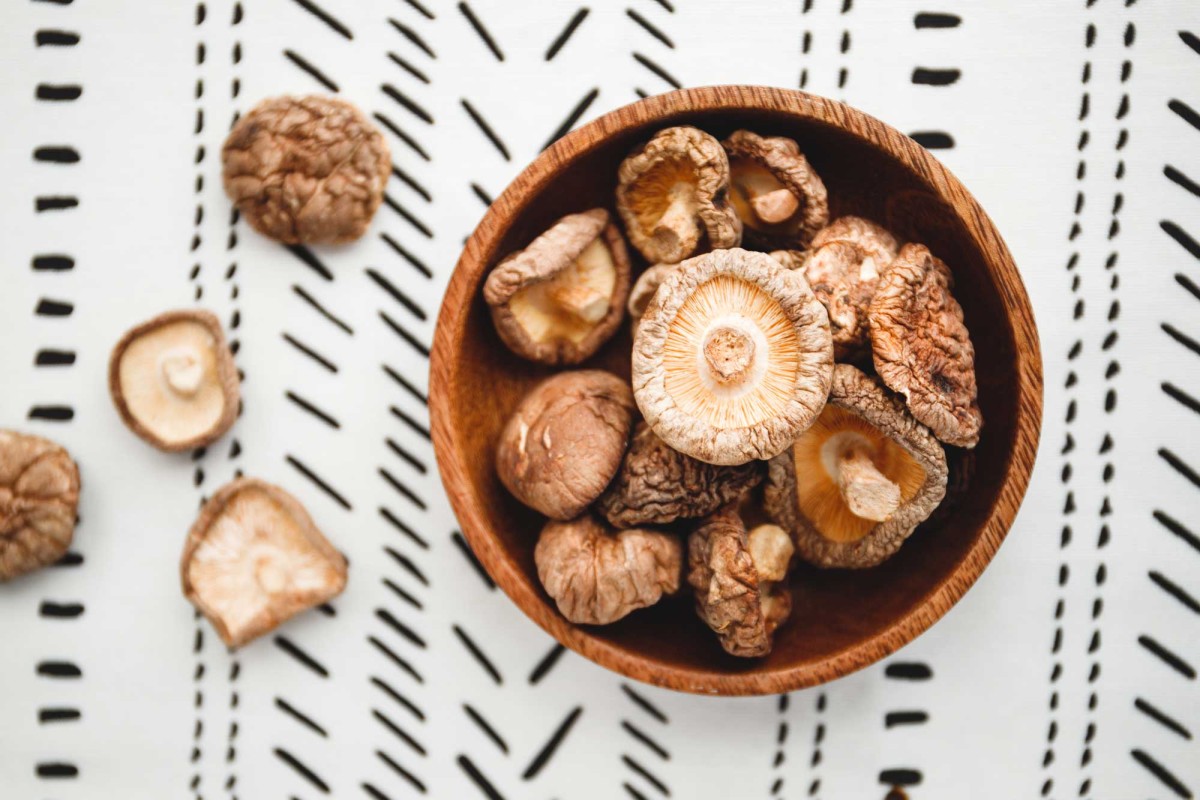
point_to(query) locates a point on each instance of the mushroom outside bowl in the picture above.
(842, 620)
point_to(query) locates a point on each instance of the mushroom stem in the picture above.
(183, 372)
(729, 353)
(677, 226)
(774, 207)
(867, 491)
(580, 301)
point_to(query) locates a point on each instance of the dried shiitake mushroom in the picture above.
(39, 493)
(173, 380)
(657, 484)
(672, 194)
(843, 268)
(733, 358)
(644, 288)
(780, 200)
(790, 259)
(596, 576)
(859, 481)
(306, 169)
(565, 441)
(921, 346)
(562, 297)
(738, 581)
(254, 559)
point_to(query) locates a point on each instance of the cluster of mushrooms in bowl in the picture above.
(727, 386)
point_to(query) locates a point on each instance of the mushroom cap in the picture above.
(803, 498)
(173, 380)
(790, 259)
(669, 184)
(922, 348)
(657, 484)
(780, 359)
(306, 170)
(644, 289)
(597, 577)
(254, 559)
(565, 441)
(39, 494)
(581, 258)
(875, 241)
(729, 593)
(768, 163)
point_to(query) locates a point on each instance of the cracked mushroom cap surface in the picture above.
(597, 576)
(858, 482)
(657, 484)
(738, 579)
(306, 170)
(562, 297)
(173, 380)
(39, 495)
(673, 196)
(565, 441)
(733, 358)
(254, 559)
(921, 346)
(777, 195)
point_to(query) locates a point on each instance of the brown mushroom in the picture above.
(780, 200)
(644, 289)
(565, 441)
(306, 170)
(922, 348)
(859, 481)
(790, 259)
(672, 194)
(562, 297)
(733, 358)
(254, 559)
(657, 484)
(597, 576)
(39, 493)
(738, 580)
(173, 380)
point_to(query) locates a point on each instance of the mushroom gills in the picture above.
(850, 476)
(568, 305)
(666, 204)
(758, 197)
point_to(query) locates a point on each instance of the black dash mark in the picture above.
(403, 528)
(58, 715)
(308, 351)
(56, 155)
(477, 777)
(1190, 40)
(325, 417)
(320, 484)
(325, 17)
(399, 486)
(634, 793)
(385, 616)
(407, 103)
(53, 263)
(403, 595)
(58, 93)
(396, 659)
(657, 70)
(407, 564)
(399, 732)
(485, 128)
(54, 358)
(1175, 590)
(322, 310)
(1188, 284)
(404, 702)
(1182, 397)
(1185, 112)
(648, 27)
(1163, 774)
(1179, 465)
(1182, 338)
(56, 203)
(1162, 718)
(401, 771)
(894, 718)
(481, 30)
(474, 650)
(928, 19)
(53, 308)
(52, 413)
(304, 658)
(647, 774)
(408, 216)
(415, 262)
(469, 554)
(644, 738)
(301, 717)
(408, 457)
(487, 729)
(1181, 236)
(551, 747)
(304, 64)
(399, 330)
(1169, 658)
(396, 294)
(908, 671)
(548, 661)
(483, 196)
(578, 111)
(900, 777)
(667, 5)
(402, 136)
(60, 610)
(412, 183)
(55, 770)
(311, 261)
(59, 669)
(54, 38)
(69, 560)
(407, 66)
(644, 704)
(933, 140)
(404, 384)
(420, 9)
(412, 36)
(301, 769)
(926, 76)
(562, 38)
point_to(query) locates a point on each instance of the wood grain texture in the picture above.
(842, 620)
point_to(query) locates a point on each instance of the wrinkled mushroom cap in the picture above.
(39, 494)
(780, 200)
(254, 559)
(306, 170)
(562, 297)
(644, 289)
(657, 484)
(922, 348)
(597, 576)
(173, 380)
(672, 194)
(732, 597)
(733, 358)
(803, 494)
(789, 259)
(565, 441)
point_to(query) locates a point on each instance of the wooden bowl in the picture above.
(842, 620)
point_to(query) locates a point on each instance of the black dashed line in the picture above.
(644, 738)
(485, 128)
(307, 66)
(401, 771)
(657, 70)
(412, 183)
(1185, 112)
(1182, 237)
(412, 36)
(58, 715)
(1162, 718)
(407, 66)
(399, 525)
(322, 310)
(287, 646)
(420, 9)
(319, 482)
(645, 773)
(1179, 465)
(479, 655)
(398, 732)
(55, 38)
(647, 26)
(408, 564)
(1168, 657)
(925, 20)
(478, 778)
(300, 717)
(552, 744)
(403, 701)
(404, 384)
(309, 407)
(325, 17)
(578, 111)
(58, 93)
(408, 457)
(308, 351)
(396, 659)
(56, 155)
(483, 32)
(486, 727)
(401, 135)
(403, 595)
(547, 661)
(562, 38)
(900, 777)
(926, 76)
(303, 770)
(57, 770)
(643, 703)
(472, 559)
(1165, 776)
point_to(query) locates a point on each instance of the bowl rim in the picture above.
(468, 272)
